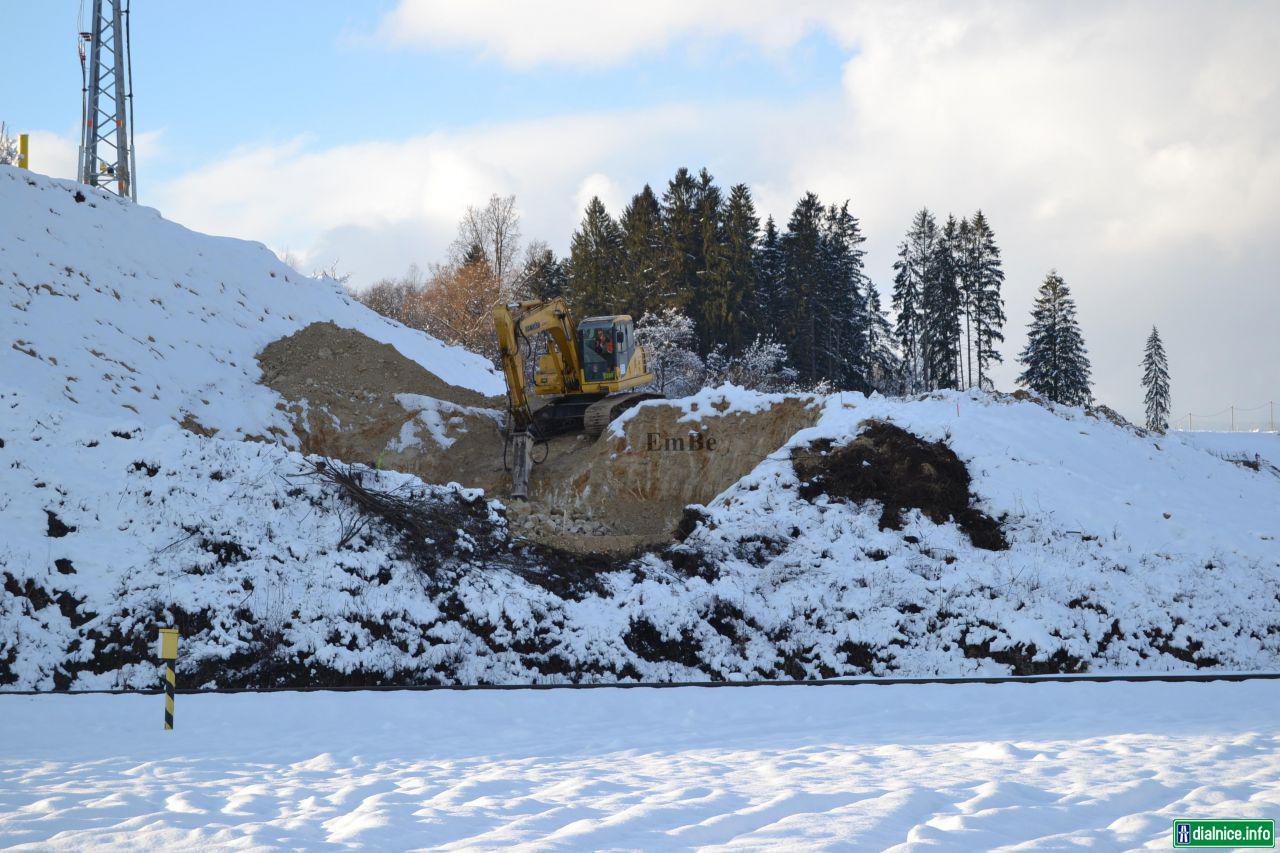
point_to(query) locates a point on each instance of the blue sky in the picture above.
(210, 77)
(1133, 146)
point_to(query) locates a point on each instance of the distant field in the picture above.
(1264, 444)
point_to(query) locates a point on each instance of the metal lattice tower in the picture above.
(106, 134)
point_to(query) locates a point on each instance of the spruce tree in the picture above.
(1155, 381)
(1055, 358)
(709, 305)
(916, 257)
(769, 273)
(940, 302)
(798, 307)
(965, 262)
(986, 304)
(736, 323)
(642, 247)
(543, 276)
(594, 255)
(841, 301)
(682, 243)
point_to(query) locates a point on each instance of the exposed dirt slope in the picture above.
(342, 388)
(347, 400)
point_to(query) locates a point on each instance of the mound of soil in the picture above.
(341, 387)
(326, 356)
(885, 463)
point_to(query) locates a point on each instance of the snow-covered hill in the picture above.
(950, 534)
(113, 312)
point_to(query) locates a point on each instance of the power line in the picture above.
(1233, 411)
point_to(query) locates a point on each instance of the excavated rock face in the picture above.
(358, 400)
(636, 485)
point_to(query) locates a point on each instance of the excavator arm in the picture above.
(558, 373)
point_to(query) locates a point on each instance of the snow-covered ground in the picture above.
(974, 767)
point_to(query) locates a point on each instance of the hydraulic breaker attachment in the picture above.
(521, 462)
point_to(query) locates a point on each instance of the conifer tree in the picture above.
(735, 323)
(1055, 358)
(595, 252)
(985, 302)
(798, 307)
(1155, 382)
(769, 272)
(709, 304)
(642, 247)
(940, 309)
(682, 244)
(965, 261)
(884, 369)
(841, 294)
(916, 256)
(543, 276)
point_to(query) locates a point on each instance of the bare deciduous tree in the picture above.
(495, 228)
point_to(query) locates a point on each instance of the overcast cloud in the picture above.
(1133, 147)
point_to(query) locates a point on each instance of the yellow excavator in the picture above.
(586, 376)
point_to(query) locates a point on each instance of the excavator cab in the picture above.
(607, 345)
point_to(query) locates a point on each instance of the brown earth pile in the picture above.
(341, 385)
(901, 471)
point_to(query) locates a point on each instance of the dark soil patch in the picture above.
(886, 463)
(1026, 660)
(1190, 653)
(57, 528)
(648, 643)
(37, 595)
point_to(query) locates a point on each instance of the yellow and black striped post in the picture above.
(169, 654)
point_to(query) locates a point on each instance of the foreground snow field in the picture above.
(945, 767)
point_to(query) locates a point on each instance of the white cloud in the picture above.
(584, 32)
(53, 154)
(602, 186)
(1135, 147)
(379, 206)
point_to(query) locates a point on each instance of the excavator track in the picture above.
(600, 413)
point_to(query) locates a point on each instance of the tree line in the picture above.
(719, 296)
(702, 253)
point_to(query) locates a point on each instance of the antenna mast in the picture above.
(106, 133)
